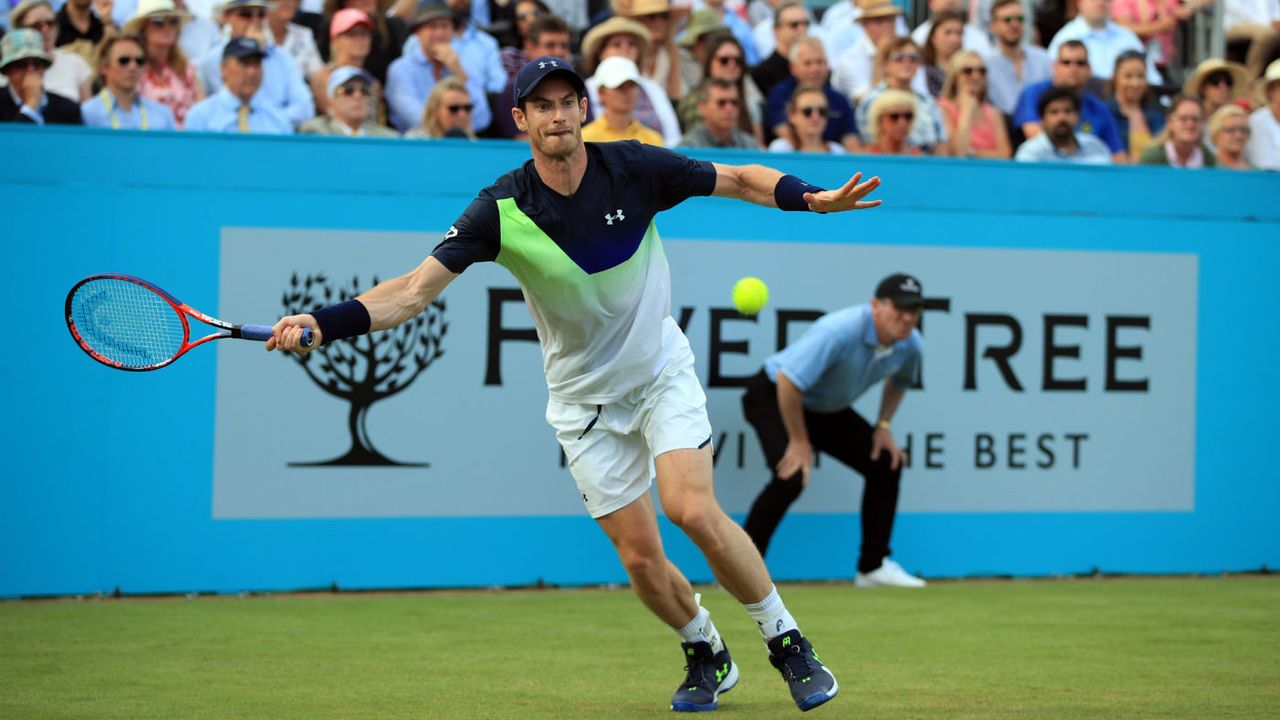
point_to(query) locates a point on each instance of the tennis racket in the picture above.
(128, 323)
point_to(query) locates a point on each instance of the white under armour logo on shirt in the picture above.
(542, 64)
(619, 217)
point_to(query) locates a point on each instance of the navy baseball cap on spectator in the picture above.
(903, 290)
(538, 69)
(241, 48)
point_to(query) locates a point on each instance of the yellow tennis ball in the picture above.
(750, 295)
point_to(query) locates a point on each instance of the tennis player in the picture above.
(575, 225)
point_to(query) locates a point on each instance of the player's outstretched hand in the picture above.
(287, 334)
(848, 197)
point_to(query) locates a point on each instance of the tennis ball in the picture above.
(750, 295)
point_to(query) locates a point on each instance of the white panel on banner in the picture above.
(1053, 381)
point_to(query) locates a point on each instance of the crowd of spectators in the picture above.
(1100, 81)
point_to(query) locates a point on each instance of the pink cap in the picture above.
(345, 19)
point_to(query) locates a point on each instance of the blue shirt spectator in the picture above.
(104, 111)
(220, 113)
(1095, 116)
(283, 87)
(411, 77)
(840, 120)
(842, 351)
(1089, 151)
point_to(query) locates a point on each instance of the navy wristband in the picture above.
(789, 193)
(343, 320)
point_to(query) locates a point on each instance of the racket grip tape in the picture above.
(263, 333)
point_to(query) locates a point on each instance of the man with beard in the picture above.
(575, 226)
(1060, 142)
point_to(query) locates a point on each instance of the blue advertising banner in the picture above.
(1086, 401)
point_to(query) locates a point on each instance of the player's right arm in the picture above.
(388, 304)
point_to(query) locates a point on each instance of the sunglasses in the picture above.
(820, 110)
(126, 60)
(899, 116)
(1077, 63)
(729, 59)
(455, 109)
(1011, 19)
(1239, 130)
(160, 22)
(27, 64)
(1219, 79)
(250, 13)
(904, 57)
(975, 70)
(355, 89)
(43, 25)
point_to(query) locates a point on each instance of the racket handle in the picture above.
(262, 333)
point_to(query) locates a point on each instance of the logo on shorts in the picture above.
(619, 217)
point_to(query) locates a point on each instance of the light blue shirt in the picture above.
(97, 114)
(410, 80)
(1104, 46)
(1089, 151)
(220, 113)
(1003, 84)
(839, 358)
(481, 60)
(283, 87)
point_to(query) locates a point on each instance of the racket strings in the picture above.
(126, 323)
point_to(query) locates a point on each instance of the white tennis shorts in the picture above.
(611, 447)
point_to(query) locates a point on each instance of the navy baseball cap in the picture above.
(903, 290)
(538, 69)
(241, 48)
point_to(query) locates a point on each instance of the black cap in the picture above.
(537, 70)
(241, 48)
(903, 290)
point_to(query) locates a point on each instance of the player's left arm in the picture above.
(771, 188)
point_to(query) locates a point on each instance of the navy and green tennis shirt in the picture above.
(591, 265)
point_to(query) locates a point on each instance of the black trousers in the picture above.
(843, 435)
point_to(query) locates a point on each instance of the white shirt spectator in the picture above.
(67, 73)
(852, 70)
(1263, 150)
(1104, 46)
(974, 38)
(1256, 12)
(842, 33)
(300, 43)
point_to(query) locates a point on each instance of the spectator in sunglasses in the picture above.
(349, 91)
(68, 75)
(448, 112)
(1061, 141)
(1218, 82)
(1071, 70)
(283, 87)
(1263, 149)
(897, 66)
(1134, 110)
(350, 45)
(619, 90)
(1181, 144)
(809, 67)
(723, 58)
(890, 119)
(118, 105)
(975, 127)
(1014, 64)
(169, 77)
(515, 53)
(1229, 134)
(1104, 38)
(719, 105)
(807, 116)
(854, 71)
(24, 62)
(786, 23)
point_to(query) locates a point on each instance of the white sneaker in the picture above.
(889, 574)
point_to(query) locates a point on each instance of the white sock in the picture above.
(701, 629)
(771, 615)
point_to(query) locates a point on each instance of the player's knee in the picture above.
(640, 560)
(696, 516)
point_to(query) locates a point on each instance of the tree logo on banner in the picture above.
(363, 370)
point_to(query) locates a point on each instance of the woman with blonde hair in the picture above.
(976, 128)
(447, 114)
(169, 78)
(891, 117)
(1229, 133)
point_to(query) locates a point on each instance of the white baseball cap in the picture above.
(614, 72)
